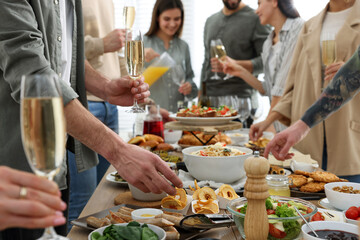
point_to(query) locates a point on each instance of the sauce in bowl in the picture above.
(334, 235)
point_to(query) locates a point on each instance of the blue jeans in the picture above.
(82, 185)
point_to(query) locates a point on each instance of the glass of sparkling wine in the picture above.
(213, 54)
(43, 128)
(220, 54)
(128, 18)
(328, 49)
(135, 58)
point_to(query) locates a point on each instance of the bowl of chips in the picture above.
(179, 203)
(217, 162)
(145, 197)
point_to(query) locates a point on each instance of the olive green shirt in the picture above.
(30, 42)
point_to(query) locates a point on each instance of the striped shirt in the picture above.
(274, 84)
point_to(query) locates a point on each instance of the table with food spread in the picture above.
(214, 192)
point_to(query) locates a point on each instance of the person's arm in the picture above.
(96, 46)
(344, 86)
(40, 207)
(341, 89)
(138, 166)
(191, 89)
(116, 91)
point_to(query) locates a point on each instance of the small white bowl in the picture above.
(195, 201)
(348, 220)
(342, 201)
(182, 211)
(172, 136)
(146, 197)
(327, 225)
(238, 138)
(159, 231)
(145, 213)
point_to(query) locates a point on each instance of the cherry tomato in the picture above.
(308, 210)
(318, 217)
(276, 233)
(270, 211)
(351, 213)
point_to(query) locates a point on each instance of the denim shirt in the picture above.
(164, 91)
(30, 42)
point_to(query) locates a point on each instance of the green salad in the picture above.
(282, 228)
(132, 231)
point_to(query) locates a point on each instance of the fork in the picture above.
(329, 214)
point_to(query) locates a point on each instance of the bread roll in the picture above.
(137, 140)
(164, 147)
(156, 138)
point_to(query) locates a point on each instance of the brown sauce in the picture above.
(335, 235)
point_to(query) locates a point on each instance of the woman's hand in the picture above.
(332, 69)
(29, 201)
(232, 67)
(185, 88)
(256, 130)
(150, 54)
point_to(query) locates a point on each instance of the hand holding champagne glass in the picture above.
(134, 54)
(220, 53)
(43, 128)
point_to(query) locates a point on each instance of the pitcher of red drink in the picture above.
(153, 123)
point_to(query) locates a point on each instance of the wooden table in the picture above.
(103, 198)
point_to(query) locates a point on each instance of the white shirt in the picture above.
(67, 22)
(333, 21)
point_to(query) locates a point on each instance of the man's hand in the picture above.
(40, 207)
(114, 40)
(145, 170)
(185, 88)
(122, 91)
(280, 145)
(216, 65)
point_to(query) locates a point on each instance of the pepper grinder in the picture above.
(256, 192)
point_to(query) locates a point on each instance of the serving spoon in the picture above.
(298, 212)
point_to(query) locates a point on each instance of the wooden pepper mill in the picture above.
(256, 191)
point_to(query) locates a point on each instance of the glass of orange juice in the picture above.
(158, 68)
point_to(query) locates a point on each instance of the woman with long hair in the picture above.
(164, 36)
(277, 50)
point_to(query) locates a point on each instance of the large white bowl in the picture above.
(146, 197)
(342, 201)
(159, 231)
(327, 225)
(218, 169)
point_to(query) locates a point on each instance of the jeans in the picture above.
(82, 185)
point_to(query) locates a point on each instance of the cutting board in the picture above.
(126, 198)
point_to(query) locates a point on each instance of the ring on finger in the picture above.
(23, 192)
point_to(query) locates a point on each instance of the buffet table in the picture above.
(103, 198)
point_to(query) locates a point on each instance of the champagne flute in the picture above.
(135, 58)
(178, 76)
(213, 54)
(43, 128)
(128, 18)
(244, 110)
(220, 53)
(328, 49)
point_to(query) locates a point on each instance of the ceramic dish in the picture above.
(111, 178)
(324, 203)
(201, 121)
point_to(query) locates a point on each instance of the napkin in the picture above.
(187, 180)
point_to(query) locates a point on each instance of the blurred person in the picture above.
(164, 36)
(344, 86)
(102, 41)
(242, 34)
(38, 37)
(29, 201)
(276, 52)
(338, 137)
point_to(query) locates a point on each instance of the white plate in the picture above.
(338, 216)
(201, 121)
(159, 231)
(324, 202)
(111, 178)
